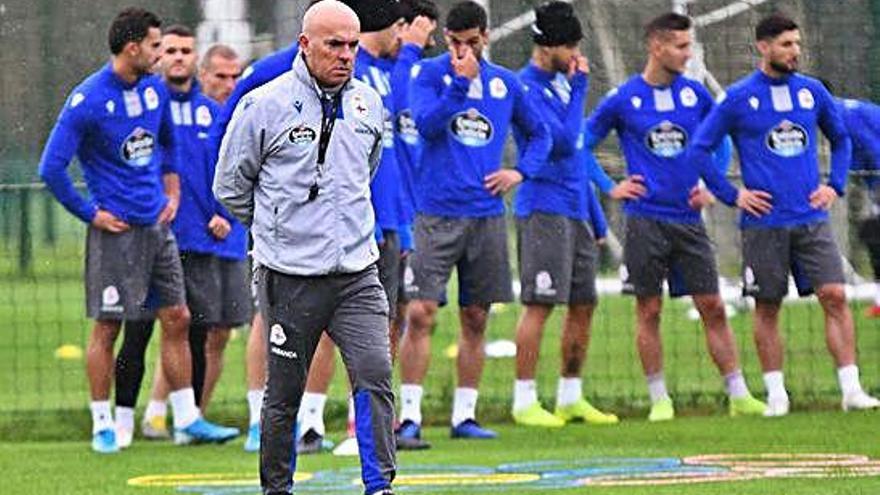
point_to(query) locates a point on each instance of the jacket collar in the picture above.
(301, 73)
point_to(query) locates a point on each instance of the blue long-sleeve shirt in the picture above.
(862, 119)
(121, 132)
(193, 114)
(654, 126)
(258, 74)
(385, 187)
(407, 141)
(560, 185)
(464, 124)
(773, 123)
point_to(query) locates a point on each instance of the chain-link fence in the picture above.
(48, 47)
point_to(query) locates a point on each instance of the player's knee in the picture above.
(649, 311)
(832, 297)
(175, 322)
(712, 310)
(102, 340)
(473, 320)
(216, 342)
(177, 315)
(580, 312)
(421, 318)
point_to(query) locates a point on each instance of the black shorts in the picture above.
(477, 247)
(389, 268)
(808, 252)
(123, 269)
(680, 253)
(217, 290)
(557, 260)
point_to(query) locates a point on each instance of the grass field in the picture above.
(44, 417)
(39, 314)
(70, 468)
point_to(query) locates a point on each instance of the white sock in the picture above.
(657, 387)
(311, 413)
(525, 393)
(255, 405)
(735, 383)
(183, 407)
(156, 408)
(848, 377)
(877, 294)
(464, 405)
(411, 403)
(569, 391)
(102, 419)
(775, 383)
(350, 429)
(125, 418)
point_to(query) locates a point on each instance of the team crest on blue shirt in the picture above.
(137, 148)
(788, 139)
(666, 139)
(406, 127)
(688, 96)
(151, 98)
(203, 116)
(805, 99)
(471, 128)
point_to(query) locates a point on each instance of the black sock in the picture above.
(130, 361)
(198, 334)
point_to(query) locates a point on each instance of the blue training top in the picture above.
(193, 114)
(654, 125)
(561, 185)
(773, 123)
(121, 132)
(464, 125)
(862, 119)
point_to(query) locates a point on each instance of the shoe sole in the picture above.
(412, 444)
(309, 449)
(538, 425)
(581, 419)
(469, 437)
(190, 440)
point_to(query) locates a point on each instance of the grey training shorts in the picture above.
(476, 246)
(681, 253)
(121, 269)
(217, 289)
(808, 251)
(557, 260)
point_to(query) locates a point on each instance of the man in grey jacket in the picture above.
(306, 196)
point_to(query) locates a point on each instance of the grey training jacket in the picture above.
(268, 164)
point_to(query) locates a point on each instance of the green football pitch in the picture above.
(804, 453)
(41, 314)
(44, 422)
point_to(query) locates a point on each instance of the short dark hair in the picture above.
(218, 50)
(179, 30)
(826, 83)
(414, 8)
(670, 21)
(466, 15)
(131, 25)
(774, 25)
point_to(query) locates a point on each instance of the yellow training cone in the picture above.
(452, 351)
(69, 352)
